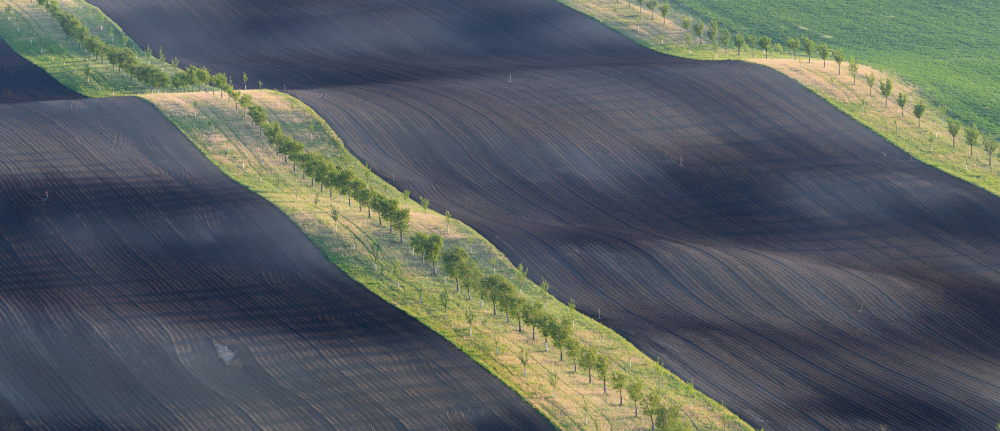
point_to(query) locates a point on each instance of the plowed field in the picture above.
(142, 289)
(22, 81)
(790, 262)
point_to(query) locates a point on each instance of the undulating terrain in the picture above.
(21, 81)
(143, 289)
(788, 261)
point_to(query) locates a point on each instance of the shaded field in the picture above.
(793, 265)
(144, 289)
(21, 81)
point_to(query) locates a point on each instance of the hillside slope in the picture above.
(145, 289)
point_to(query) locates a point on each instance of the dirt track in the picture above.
(22, 81)
(143, 289)
(795, 266)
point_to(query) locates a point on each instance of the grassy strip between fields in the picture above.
(523, 360)
(399, 276)
(927, 140)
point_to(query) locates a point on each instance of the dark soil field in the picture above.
(22, 81)
(142, 289)
(790, 262)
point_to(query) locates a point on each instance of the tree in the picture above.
(699, 28)
(686, 23)
(374, 250)
(664, 10)
(918, 111)
(739, 42)
(852, 68)
(669, 419)
(990, 146)
(602, 369)
(447, 221)
(335, 215)
(399, 219)
(244, 81)
(553, 381)
(522, 356)
(765, 44)
(954, 126)
(651, 5)
(619, 382)
(793, 45)
(824, 52)
(751, 43)
(587, 358)
(432, 251)
(886, 88)
(470, 317)
(445, 300)
(713, 31)
(455, 260)
(634, 390)
(687, 41)
(808, 46)
(870, 80)
(724, 38)
(838, 56)
(901, 100)
(650, 405)
(971, 137)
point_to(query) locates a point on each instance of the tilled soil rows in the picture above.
(144, 289)
(790, 262)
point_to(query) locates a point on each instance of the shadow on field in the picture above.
(144, 289)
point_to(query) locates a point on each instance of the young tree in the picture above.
(739, 42)
(445, 300)
(699, 28)
(886, 88)
(751, 43)
(447, 221)
(634, 389)
(602, 369)
(523, 357)
(793, 45)
(870, 80)
(713, 30)
(470, 317)
(335, 215)
(587, 358)
(432, 251)
(953, 128)
(619, 382)
(824, 52)
(664, 10)
(651, 5)
(553, 381)
(779, 49)
(244, 81)
(686, 23)
(424, 203)
(971, 137)
(901, 100)
(808, 46)
(852, 68)
(838, 56)
(687, 41)
(990, 146)
(455, 260)
(724, 38)
(765, 44)
(650, 405)
(918, 111)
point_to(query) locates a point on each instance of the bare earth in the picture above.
(143, 289)
(793, 264)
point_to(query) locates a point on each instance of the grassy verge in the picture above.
(927, 141)
(34, 34)
(233, 143)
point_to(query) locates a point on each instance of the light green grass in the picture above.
(34, 34)
(234, 145)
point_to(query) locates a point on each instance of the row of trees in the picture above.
(319, 168)
(124, 58)
(508, 298)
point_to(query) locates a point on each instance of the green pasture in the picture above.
(947, 49)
